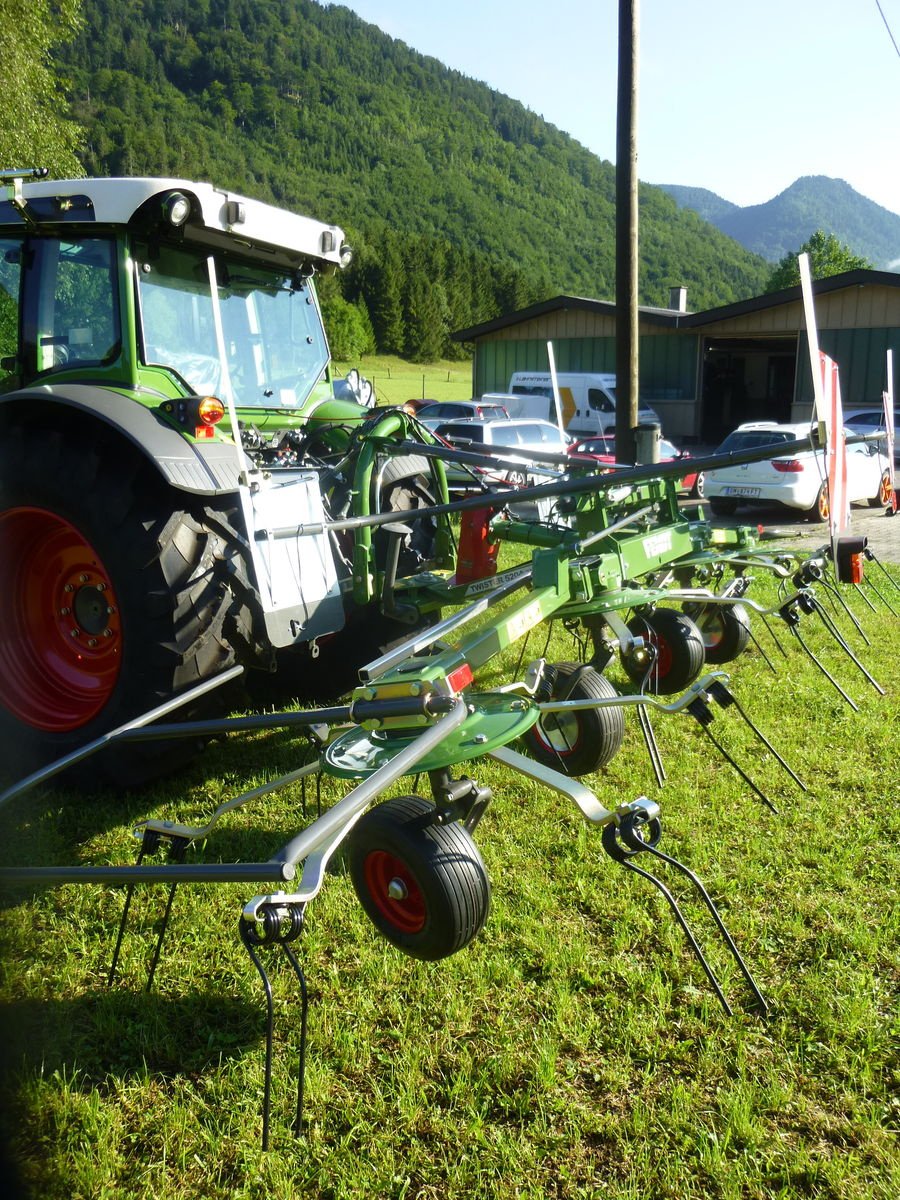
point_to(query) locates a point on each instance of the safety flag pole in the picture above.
(829, 415)
(555, 385)
(888, 401)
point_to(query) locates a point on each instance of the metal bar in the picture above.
(561, 487)
(338, 817)
(421, 641)
(105, 739)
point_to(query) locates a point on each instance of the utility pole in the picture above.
(627, 233)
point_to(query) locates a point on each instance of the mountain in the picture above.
(459, 201)
(783, 224)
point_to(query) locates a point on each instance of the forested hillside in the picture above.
(785, 222)
(460, 202)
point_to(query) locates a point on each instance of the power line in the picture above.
(887, 27)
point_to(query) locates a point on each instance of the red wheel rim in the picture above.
(60, 628)
(394, 891)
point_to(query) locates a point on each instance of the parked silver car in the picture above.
(522, 438)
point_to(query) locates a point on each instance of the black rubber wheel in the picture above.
(424, 886)
(722, 507)
(679, 652)
(517, 479)
(113, 601)
(579, 742)
(405, 487)
(725, 629)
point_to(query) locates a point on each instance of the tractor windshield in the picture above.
(273, 343)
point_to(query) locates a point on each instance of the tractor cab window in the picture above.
(72, 314)
(10, 273)
(271, 331)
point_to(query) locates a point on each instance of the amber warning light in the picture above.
(210, 411)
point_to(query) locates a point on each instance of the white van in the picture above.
(588, 400)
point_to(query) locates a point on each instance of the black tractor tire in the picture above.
(579, 742)
(679, 652)
(114, 600)
(721, 507)
(725, 629)
(424, 886)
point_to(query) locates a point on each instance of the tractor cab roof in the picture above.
(206, 213)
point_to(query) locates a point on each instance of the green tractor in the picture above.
(172, 445)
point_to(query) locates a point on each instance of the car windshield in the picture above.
(749, 439)
(272, 335)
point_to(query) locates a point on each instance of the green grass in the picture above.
(396, 380)
(573, 1050)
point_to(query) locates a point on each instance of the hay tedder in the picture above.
(636, 574)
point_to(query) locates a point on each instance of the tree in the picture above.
(36, 130)
(827, 256)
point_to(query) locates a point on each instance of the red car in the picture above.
(602, 448)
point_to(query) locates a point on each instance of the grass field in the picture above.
(396, 381)
(573, 1050)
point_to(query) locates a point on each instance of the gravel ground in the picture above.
(882, 532)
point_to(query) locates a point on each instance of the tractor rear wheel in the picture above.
(424, 885)
(112, 602)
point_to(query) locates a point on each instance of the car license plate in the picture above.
(749, 492)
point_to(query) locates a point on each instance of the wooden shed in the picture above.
(706, 372)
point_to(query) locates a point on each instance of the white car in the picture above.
(795, 480)
(871, 420)
(522, 438)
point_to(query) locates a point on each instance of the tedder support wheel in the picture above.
(725, 629)
(424, 886)
(579, 742)
(679, 652)
(110, 604)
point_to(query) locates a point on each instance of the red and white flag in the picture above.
(832, 415)
(887, 399)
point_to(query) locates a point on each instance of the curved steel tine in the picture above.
(708, 901)
(841, 641)
(823, 669)
(244, 930)
(686, 929)
(726, 698)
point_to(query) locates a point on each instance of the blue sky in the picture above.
(738, 96)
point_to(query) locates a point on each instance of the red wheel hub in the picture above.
(663, 664)
(60, 629)
(394, 891)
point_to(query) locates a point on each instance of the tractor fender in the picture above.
(202, 468)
